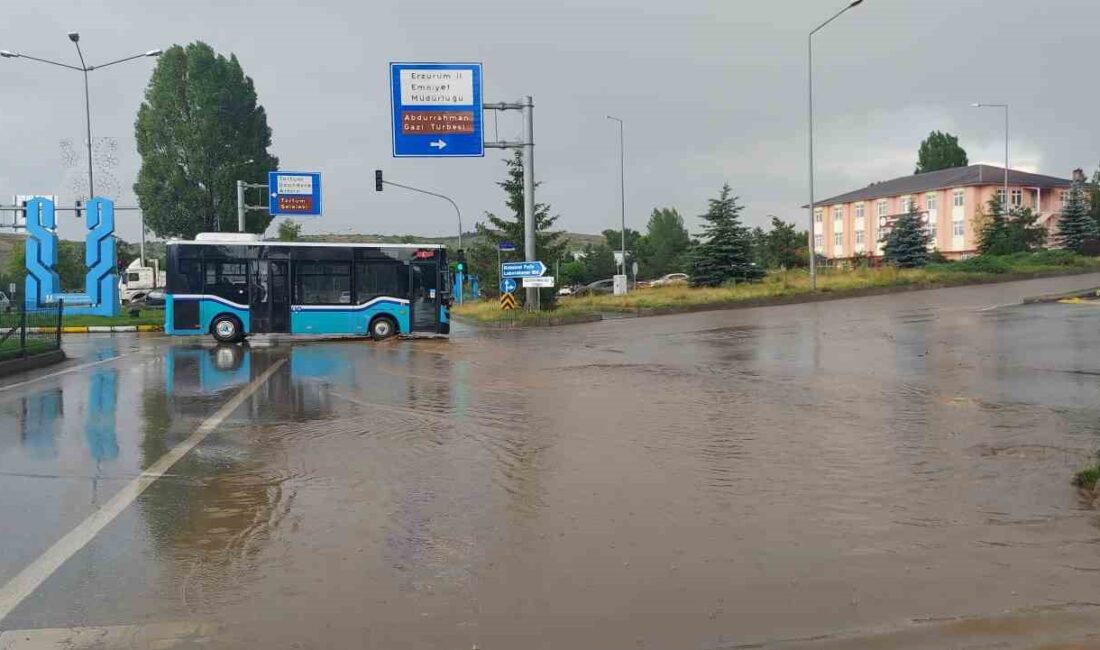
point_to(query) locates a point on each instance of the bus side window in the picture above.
(377, 279)
(190, 277)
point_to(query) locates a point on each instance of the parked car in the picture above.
(567, 290)
(670, 279)
(596, 288)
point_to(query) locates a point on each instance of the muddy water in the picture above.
(843, 472)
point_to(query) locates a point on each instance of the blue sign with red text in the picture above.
(436, 110)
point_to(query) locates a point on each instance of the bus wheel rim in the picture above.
(226, 328)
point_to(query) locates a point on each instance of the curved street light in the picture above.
(84, 68)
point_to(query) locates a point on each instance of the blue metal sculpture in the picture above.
(43, 286)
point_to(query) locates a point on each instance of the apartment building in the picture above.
(949, 200)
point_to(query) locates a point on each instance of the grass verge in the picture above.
(788, 286)
(146, 317)
(1087, 478)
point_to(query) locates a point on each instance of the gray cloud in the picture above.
(711, 92)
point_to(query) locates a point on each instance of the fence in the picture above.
(25, 332)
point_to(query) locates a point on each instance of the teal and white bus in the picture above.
(231, 285)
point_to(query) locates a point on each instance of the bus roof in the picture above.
(302, 243)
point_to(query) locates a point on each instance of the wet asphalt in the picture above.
(806, 474)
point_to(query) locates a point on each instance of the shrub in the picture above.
(980, 264)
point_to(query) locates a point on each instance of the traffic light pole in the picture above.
(460, 256)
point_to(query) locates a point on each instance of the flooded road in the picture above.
(880, 472)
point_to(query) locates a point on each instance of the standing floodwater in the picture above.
(875, 466)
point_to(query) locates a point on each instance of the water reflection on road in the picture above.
(701, 480)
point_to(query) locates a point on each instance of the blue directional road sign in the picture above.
(294, 194)
(522, 269)
(436, 110)
(507, 246)
(507, 285)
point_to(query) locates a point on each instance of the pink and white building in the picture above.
(950, 200)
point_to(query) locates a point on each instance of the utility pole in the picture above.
(240, 206)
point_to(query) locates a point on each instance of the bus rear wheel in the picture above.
(382, 327)
(227, 329)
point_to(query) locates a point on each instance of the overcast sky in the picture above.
(711, 92)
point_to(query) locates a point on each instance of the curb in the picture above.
(96, 329)
(1062, 297)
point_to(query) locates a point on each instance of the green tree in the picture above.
(785, 246)
(199, 131)
(289, 230)
(758, 242)
(70, 266)
(549, 244)
(1016, 232)
(940, 151)
(635, 244)
(599, 262)
(573, 272)
(1076, 227)
(666, 243)
(725, 252)
(907, 242)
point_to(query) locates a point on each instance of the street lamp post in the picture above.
(622, 194)
(810, 49)
(83, 69)
(1004, 206)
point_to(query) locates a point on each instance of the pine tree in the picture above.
(726, 250)
(1075, 225)
(907, 242)
(1016, 232)
(549, 245)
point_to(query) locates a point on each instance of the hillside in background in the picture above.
(155, 249)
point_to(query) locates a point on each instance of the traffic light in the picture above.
(79, 209)
(378, 180)
(460, 261)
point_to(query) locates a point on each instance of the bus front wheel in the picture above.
(227, 329)
(382, 327)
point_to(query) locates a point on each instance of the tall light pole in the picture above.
(622, 192)
(1004, 207)
(83, 69)
(810, 49)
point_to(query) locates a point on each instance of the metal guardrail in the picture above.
(26, 332)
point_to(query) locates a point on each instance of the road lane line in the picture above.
(68, 371)
(22, 585)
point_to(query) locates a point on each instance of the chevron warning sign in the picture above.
(507, 301)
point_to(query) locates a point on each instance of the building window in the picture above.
(960, 228)
(817, 215)
(930, 201)
(859, 211)
(931, 227)
(1064, 197)
(859, 237)
(819, 241)
(838, 239)
(323, 283)
(1017, 198)
(906, 205)
(960, 198)
(838, 214)
(1001, 198)
(880, 208)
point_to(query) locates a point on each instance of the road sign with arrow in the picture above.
(437, 110)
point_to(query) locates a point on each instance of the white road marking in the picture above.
(67, 371)
(22, 585)
(149, 635)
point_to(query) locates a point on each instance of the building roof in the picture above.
(948, 178)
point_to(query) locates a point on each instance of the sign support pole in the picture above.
(529, 193)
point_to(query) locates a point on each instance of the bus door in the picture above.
(424, 299)
(270, 296)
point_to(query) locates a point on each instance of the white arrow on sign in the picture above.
(439, 144)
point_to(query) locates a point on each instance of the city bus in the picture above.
(233, 285)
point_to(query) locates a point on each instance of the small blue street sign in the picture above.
(436, 110)
(505, 246)
(507, 285)
(294, 194)
(522, 269)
